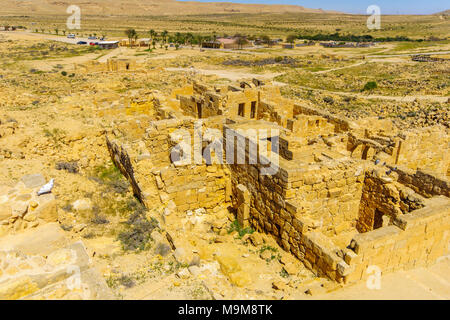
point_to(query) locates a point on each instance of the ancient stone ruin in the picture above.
(340, 195)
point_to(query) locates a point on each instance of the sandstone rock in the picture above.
(290, 268)
(5, 212)
(240, 278)
(228, 264)
(194, 270)
(256, 239)
(30, 217)
(266, 255)
(33, 181)
(184, 274)
(19, 209)
(183, 256)
(61, 257)
(47, 209)
(82, 205)
(279, 285)
(200, 211)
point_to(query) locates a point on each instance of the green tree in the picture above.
(152, 38)
(266, 40)
(291, 38)
(131, 34)
(241, 41)
(164, 35)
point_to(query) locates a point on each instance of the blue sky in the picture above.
(360, 6)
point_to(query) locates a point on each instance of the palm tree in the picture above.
(164, 35)
(131, 34)
(152, 37)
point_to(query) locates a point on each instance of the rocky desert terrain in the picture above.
(59, 102)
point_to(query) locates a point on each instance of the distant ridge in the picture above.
(142, 7)
(443, 13)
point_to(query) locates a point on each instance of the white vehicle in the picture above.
(71, 36)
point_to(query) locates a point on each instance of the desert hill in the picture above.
(443, 13)
(141, 7)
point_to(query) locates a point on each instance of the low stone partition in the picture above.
(423, 182)
(192, 187)
(416, 239)
(341, 124)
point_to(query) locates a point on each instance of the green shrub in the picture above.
(370, 86)
(136, 235)
(235, 226)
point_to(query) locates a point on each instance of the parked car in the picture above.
(93, 43)
(71, 36)
(81, 42)
(92, 38)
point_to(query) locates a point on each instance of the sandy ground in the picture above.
(233, 75)
(431, 283)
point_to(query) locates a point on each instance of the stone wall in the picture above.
(383, 201)
(155, 176)
(417, 239)
(192, 187)
(294, 202)
(424, 183)
(427, 149)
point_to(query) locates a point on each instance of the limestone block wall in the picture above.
(192, 187)
(149, 168)
(269, 212)
(274, 208)
(341, 124)
(328, 195)
(158, 141)
(427, 149)
(417, 239)
(308, 126)
(384, 199)
(245, 97)
(425, 183)
(201, 107)
(121, 65)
